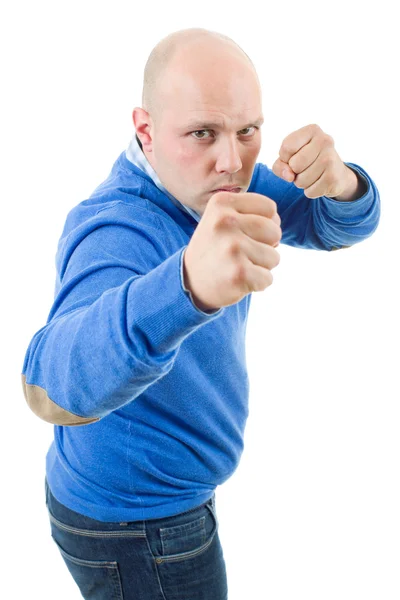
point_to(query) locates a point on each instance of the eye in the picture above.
(200, 131)
(247, 129)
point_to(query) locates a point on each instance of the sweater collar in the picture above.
(135, 155)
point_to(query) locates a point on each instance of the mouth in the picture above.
(235, 190)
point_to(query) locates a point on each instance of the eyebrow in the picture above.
(198, 125)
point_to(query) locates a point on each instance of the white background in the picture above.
(312, 511)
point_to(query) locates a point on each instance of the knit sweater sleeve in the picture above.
(119, 316)
(320, 223)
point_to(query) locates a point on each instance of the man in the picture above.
(141, 364)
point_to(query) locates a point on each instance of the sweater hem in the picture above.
(123, 514)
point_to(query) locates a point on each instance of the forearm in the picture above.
(90, 361)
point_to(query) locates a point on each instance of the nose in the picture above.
(228, 157)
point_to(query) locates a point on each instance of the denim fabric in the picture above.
(172, 558)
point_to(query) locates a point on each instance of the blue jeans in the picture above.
(170, 558)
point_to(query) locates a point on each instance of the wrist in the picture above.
(188, 288)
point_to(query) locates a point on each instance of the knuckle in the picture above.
(285, 148)
(222, 198)
(232, 219)
(226, 220)
(268, 279)
(239, 274)
(273, 207)
(277, 258)
(275, 231)
(234, 249)
(299, 182)
(272, 258)
(329, 178)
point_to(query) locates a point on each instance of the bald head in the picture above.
(186, 50)
(199, 124)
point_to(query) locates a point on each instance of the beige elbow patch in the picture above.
(44, 408)
(339, 248)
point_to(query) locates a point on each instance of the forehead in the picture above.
(213, 98)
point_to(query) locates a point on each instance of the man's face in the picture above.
(207, 135)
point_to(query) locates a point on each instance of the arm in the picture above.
(321, 223)
(356, 188)
(115, 328)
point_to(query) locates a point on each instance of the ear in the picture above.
(143, 125)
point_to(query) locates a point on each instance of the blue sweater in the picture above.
(147, 393)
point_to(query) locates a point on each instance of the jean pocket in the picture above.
(189, 538)
(95, 578)
(190, 561)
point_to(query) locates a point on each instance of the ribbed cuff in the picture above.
(160, 309)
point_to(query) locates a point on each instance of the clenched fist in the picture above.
(232, 250)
